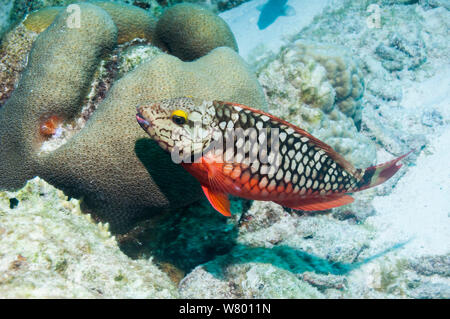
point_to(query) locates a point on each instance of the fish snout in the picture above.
(141, 120)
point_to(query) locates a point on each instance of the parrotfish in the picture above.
(271, 10)
(239, 150)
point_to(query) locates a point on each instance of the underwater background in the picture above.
(90, 208)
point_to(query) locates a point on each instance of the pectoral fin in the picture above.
(318, 203)
(218, 200)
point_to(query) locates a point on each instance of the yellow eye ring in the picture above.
(179, 117)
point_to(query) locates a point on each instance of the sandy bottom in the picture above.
(419, 206)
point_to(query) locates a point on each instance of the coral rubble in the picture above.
(49, 249)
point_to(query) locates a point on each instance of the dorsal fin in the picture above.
(339, 159)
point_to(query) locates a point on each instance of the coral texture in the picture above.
(189, 31)
(343, 73)
(132, 22)
(121, 175)
(319, 87)
(400, 52)
(14, 50)
(394, 53)
(20, 8)
(52, 84)
(401, 249)
(50, 250)
(17, 9)
(38, 21)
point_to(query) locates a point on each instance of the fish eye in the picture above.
(179, 117)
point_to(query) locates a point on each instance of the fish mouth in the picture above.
(142, 121)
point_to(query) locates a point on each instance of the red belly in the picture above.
(234, 179)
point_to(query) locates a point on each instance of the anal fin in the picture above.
(218, 200)
(318, 203)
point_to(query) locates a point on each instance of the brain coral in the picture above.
(14, 50)
(189, 31)
(121, 175)
(132, 22)
(60, 67)
(319, 88)
(39, 20)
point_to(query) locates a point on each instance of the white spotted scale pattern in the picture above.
(303, 167)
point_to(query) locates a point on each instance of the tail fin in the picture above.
(375, 175)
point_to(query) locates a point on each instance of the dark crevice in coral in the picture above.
(103, 80)
(142, 4)
(109, 74)
(13, 202)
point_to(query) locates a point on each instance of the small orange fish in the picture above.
(49, 127)
(235, 149)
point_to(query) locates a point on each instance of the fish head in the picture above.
(181, 125)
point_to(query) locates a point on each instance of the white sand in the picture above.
(243, 22)
(419, 206)
(433, 93)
